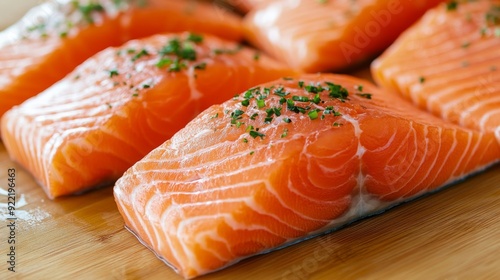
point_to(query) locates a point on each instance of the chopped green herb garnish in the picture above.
(493, 15)
(358, 87)
(227, 51)
(287, 120)
(187, 52)
(140, 54)
(421, 80)
(215, 116)
(285, 133)
(176, 66)
(365, 95)
(316, 99)
(252, 117)
(113, 73)
(300, 98)
(261, 103)
(87, 11)
(452, 5)
(109, 105)
(313, 114)
(288, 78)
(314, 89)
(256, 56)
(245, 102)
(280, 91)
(245, 140)
(200, 66)
(337, 124)
(256, 134)
(252, 152)
(483, 31)
(195, 38)
(146, 86)
(163, 62)
(301, 84)
(337, 91)
(63, 34)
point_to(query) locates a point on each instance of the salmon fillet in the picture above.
(319, 36)
(246, 5)
(55, 37)
(449, 64)
(287, 160)
(88, 128)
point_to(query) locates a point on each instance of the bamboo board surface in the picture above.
(452, 234)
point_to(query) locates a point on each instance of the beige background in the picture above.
(11, 10)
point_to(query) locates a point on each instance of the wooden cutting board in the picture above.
(453, 234)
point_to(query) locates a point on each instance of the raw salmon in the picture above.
(316, 36)
(55, 37)
(287, 160)
(449, 64)
(88, 128)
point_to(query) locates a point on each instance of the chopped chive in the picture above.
(245, 140)
(285, 133)
(200, 66)
(301, 84)
(195, 38)
(256, 134)
(113, 73)
(313, 114)
(287, 120)
(316, 99)
(252, 117)
(365, 95)
(140, 54)
(256, 56)
(245, 102)
(451, 6)
(163, 62)
(421, 80)
(300, 98)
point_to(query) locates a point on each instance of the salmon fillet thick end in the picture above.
(288, 160)
(449, 64)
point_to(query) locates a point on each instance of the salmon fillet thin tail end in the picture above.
(285, 161)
